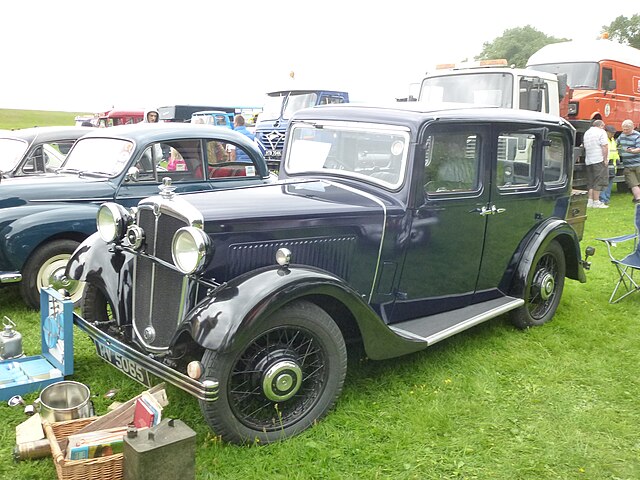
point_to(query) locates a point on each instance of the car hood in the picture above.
(54, 188)
(325, 224)
(300, 199)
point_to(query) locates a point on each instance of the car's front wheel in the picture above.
(46, 267)
(281, 380)
(545, 282)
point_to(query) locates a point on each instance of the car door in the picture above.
(529, 173)
(443, 255)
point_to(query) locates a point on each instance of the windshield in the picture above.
(494, 89)
(272, 107)
(375, 152)
(298, 101)
(106, 156)
(579, 75)
(11, 151)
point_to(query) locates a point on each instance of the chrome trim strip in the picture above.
(384, 228)
(206, 391)
(10, 277)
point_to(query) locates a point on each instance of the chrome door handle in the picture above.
(493, 210)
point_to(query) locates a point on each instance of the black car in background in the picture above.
(393, 226)
(36, 150)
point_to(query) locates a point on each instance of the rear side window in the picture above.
(516, 151)
(555, 160)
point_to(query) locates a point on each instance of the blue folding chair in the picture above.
(627, 265)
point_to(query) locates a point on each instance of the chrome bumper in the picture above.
(207, 390)
(10, 277)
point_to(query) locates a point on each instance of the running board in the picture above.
(434, 328)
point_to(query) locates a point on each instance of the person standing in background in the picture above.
(605, 195)
(596, 148)
(629, 150)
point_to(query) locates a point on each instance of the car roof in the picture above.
(46, 134)
(158, 132)
(417, 113)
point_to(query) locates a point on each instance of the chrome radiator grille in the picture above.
(158, 290)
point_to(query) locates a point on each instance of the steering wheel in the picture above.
(335, 164)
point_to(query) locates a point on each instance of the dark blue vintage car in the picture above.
(396, 227)
(32, 151)
(44, 218)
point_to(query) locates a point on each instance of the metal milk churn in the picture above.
(10, 341)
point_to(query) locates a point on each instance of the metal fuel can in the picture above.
(10, 341)
(167, 450)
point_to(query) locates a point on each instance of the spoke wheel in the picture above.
(545, 283)
(286, 377)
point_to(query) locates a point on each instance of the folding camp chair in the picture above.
(627, 265)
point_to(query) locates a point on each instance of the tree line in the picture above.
(516, 45)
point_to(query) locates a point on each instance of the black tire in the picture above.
(281, 380)
(94, 305)
(46, 267)
(545, 282)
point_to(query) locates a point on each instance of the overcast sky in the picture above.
(79, 55)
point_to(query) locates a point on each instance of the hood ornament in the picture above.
(166, 189)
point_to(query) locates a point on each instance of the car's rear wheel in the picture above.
(545, 283)
(281, 380)
(46, 267)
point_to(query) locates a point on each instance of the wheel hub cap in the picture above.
(282, 380)
(546, 284)
(59, 280)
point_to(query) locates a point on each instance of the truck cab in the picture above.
(278, 108)
(604, 78)
(492, 82)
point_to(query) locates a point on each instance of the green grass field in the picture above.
(555, 402)
(12, 119)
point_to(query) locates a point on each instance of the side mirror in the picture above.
(611, 85)
(562, 85)
(132, 174)
(534, 100)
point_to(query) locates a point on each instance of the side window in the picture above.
(555, 153)
(452, 162)
(35, 162)
(180, 160)
(607, 74)
(515, 159)
(226, 160)
(183, 159)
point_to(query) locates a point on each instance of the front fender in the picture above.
(228, 318)
(546, 232)
(107, 267)
(24, 228)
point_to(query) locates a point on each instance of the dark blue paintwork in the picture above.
(410, 256)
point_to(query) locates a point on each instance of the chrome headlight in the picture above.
(190, 249)
(112, 220)
(573, 108)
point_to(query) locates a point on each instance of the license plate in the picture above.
(124, 364)
(272, 153)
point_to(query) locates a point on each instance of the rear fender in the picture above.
(566, 236)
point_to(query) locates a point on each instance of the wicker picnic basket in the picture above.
(102, 468)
